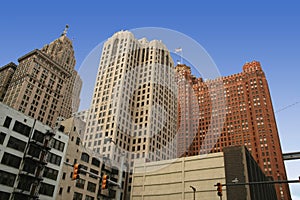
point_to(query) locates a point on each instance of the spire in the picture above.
(65, 31)
(61, 50)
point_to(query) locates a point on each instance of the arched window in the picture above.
(96, 162)
(115, 46)
(85, 157)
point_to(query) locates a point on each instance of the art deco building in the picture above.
(45, 85)
(237, 110)
(6, 73)
(134, 100)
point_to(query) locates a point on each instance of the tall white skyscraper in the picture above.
(134, 101)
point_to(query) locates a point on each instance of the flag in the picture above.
(178, 50)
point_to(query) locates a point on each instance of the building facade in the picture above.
(237, 110)
(240, 167)
(87, 187)
(134, 101)
(188, 109)
(31, 157)
(81, 118)
(174, 179)
(6, 73)
(45, 85)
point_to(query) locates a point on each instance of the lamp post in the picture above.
(118, 195)
(194, 189)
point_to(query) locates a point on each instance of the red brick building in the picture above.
(232, 110)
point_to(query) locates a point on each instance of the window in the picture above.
(16, 144)
(80, 183)
(85, 157)
(54, 159)
(95, 162)
(7, 178)
(38, 136)
(115, 46)
(87, 197)
(50, 173)
(77, 196)
(64, 176)
(34, 151)
(56, 144)
(91, 187)
(77, 141)
(11, 160)
(60, 191)
(47, 189)
(94, 172)
(25, 183)
(2, 137)
(21, 128)
(4, 195)
(7, 122)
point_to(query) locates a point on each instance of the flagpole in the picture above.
(181, 57)
(177, 50)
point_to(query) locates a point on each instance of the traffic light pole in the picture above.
(264, 182)
(96, 175)
(219, 185)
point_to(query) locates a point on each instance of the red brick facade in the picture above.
(233, 110)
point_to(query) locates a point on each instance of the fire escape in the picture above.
(33, 165)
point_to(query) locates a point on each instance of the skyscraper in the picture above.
(188, 109)
(134, 100)
(6, 73)
(45, 85)
(237, 110)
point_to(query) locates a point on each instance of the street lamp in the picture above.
(109, 139)
(194, 189)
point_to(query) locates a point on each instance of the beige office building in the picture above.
(134, 100)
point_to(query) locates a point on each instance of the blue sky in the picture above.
(232, 32)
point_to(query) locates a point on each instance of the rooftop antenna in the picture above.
(65, 30)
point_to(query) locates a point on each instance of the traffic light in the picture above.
(104, 182)
(76, 171)
(219, 189)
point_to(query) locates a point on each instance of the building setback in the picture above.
(45, 85)
(236, 110)
(6, 73)
(172, 179)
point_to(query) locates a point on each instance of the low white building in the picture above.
(31, 156)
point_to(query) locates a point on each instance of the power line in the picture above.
(286, 107)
